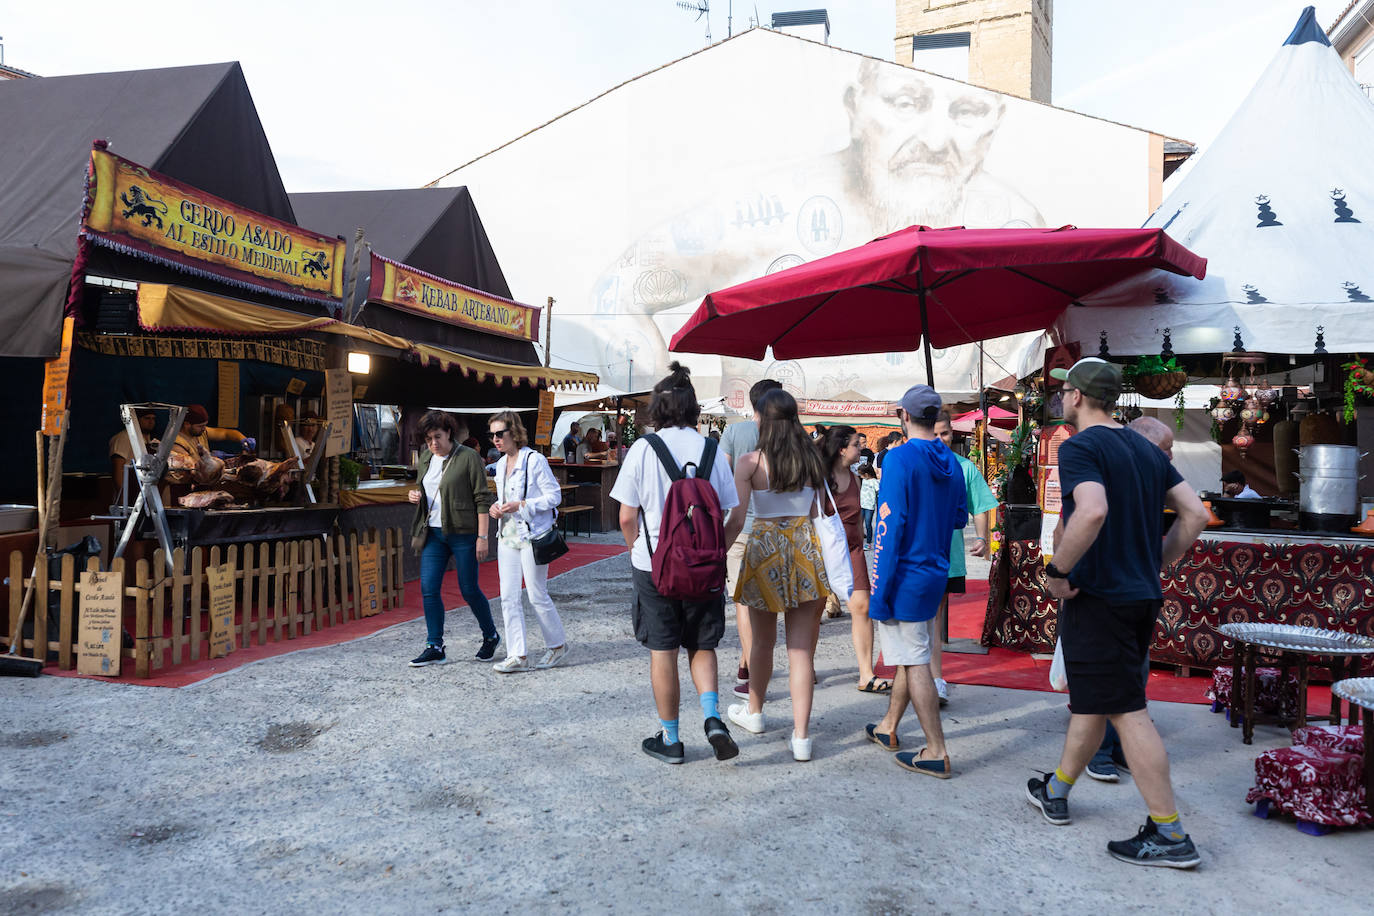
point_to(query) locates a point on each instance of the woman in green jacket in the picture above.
(450, 520)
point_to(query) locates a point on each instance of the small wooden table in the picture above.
(1359, 691)
(1288, 645)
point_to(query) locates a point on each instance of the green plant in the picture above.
(1179, 403)
(1359, 383)
(1149, 364)
(348, 473)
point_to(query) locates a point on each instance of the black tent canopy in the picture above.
(436, 230)
(196, 124)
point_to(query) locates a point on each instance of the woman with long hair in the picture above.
(529, 495)
(839, 450)
(450, 521)
(782, 571)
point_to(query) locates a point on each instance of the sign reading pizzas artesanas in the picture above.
(146, 214)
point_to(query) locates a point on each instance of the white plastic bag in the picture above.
(1059, 677)
(834, 547)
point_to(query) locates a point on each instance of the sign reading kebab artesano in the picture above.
(414, 290)
(145, 214)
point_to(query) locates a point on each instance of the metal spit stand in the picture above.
(308, 464)
(149, 468)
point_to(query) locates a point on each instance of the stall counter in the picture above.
(1314, 580)
(594, 483)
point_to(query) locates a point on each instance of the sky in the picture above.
(427, 86)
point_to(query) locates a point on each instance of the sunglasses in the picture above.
(500, 433)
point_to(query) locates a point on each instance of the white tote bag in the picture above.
(1059, 677)
(834, 547)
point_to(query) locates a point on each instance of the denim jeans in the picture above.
(868, 523)
(1110, 747)
(433, 565)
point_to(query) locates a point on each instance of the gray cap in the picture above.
(1095, 377)
(922, 402)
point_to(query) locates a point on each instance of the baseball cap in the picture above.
(1095, 377)
(922, 402)
(197, 414)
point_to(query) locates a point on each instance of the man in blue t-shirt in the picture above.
(921, 503)
(1106, 570)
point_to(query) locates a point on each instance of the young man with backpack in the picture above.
(674, 489)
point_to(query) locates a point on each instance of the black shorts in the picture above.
(1106, 652)
(668, 624)
(955, 585)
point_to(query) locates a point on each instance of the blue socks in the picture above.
(1059, 784)
(710, 705)
(669, 731)
(1171, 828)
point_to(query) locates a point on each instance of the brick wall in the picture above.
(1011, 43)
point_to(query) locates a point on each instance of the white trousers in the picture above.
(514, 565)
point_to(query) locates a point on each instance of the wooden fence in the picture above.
(283, 590)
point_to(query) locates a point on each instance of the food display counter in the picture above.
(594, 481)
(1228, 576)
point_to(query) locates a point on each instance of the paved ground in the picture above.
(339, 780)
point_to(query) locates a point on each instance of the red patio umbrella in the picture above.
(940, 287)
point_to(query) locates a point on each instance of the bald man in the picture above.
(1157, 431)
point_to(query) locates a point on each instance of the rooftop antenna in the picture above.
(2, 50)
(701, 8)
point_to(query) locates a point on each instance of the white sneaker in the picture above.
(512, 664)
(553, 657)
(942, 690)
(749, 721)
(801, 748)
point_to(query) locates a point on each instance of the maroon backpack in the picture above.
(689, 564)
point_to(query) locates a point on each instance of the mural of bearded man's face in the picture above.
(916, 141)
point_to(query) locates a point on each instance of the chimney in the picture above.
(1005, 45)
(812, 24)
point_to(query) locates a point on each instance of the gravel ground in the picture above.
(340, 780)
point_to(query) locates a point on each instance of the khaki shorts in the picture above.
(905, 642)
(733, 558)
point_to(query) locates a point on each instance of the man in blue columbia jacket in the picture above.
(921, 501)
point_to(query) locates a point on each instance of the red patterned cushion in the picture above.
(1348, 739)
(1312, 784)
(1276, 696)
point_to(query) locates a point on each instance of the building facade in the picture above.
(1004, 45)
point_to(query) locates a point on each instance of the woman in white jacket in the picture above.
(527, 493)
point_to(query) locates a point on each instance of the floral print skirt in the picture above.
(782, 567)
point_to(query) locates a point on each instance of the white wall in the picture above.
(737, 161)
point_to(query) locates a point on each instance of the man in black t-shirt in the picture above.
(1106, 569)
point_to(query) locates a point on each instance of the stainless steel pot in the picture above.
(1329, 480)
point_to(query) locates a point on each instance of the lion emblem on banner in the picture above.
(143, 205)
(315, 263)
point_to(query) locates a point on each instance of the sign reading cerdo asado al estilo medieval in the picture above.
(142, 213)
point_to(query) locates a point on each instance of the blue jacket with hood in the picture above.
(921, 501)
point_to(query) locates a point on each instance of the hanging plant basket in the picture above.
(1160, 386)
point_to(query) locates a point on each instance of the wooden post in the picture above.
(197, 583)
(143, 639)
(264, 604)
(156, 639)
(300, 624)
(65, 629)
(117, 567)
(41, 591)
(246, 615)
(16, 597)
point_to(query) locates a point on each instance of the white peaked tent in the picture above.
(1282, 207)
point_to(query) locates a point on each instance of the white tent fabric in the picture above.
(1282, 206)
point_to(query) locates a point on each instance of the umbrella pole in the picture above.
(925, 337)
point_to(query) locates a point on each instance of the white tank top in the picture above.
(771, 504)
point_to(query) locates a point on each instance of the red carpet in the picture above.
(192, 672)
(1021, 671)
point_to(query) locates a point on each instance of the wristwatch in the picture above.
(1053, 572)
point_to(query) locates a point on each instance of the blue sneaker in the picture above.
(1103, 769)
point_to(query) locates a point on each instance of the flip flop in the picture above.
(875, 685)
(886, 742)
(940, 769)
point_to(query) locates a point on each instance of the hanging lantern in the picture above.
(1243, 440)
(1232, 392)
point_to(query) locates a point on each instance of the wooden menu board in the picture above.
(221, 609)
(101, 624)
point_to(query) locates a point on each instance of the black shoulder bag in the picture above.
(550, 545)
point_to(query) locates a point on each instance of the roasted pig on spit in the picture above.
(206, 499)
